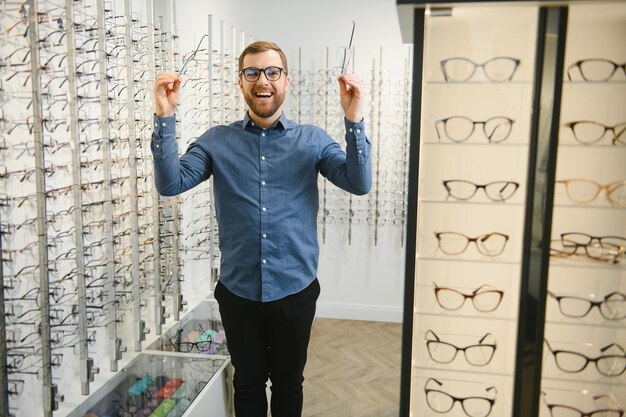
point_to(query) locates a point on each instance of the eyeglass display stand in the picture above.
(161, 381)
(589, 26)
(474, 62)
(481, 155)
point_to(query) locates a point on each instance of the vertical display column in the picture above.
(475, 129)
(585, 338)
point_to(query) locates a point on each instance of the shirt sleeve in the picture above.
(174, 175)
(350, 170)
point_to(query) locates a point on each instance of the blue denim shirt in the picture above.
(266, 194)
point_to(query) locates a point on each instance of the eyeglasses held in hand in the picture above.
(442, 402)
(344, 53)
(589, 132)
(612, 306)
(595, 69)
(562, 410)
(585, 191)
(497, 69)
(460, 128)
(488, 244)
(444, 352)
(191, 56)
(253, 74)
(484, 298)
(495, 191)
(574, 362)
(600, 248)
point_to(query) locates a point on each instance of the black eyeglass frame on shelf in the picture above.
(596, 360)
(615, 297)
(482, 290)
(461, 400)
(432, 339)
(608, 75)
(487, 188)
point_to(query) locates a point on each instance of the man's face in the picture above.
(264, 98)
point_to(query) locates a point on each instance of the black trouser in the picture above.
(268, 340)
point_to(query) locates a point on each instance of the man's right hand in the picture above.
(166, 93)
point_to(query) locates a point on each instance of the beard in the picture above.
(264, 109)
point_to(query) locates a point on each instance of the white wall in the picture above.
(359, 280)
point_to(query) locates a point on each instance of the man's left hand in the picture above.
(351, 96)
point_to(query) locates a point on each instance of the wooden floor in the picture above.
(353, 369)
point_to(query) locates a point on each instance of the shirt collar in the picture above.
(282, 122)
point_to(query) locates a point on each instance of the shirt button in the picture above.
(156, 124)
(262, 182)
(360, 151)
(163, 124)
(264, 261)
(263, 158)
(262, 134)
(350, 129)
(264, 209)
(157, 146)
(358, 131)
(264, 235)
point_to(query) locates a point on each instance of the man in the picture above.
(264, 170)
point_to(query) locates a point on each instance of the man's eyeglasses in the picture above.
(272, 73)
(488, 244)
(459, 128)
(588, 132)
(574, 362)
(484, 298)
(495, 191)
(443, 352)
(442, 402)
(612, 306)
(595, 69)
(497, 69)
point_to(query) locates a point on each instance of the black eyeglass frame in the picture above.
(595, 360)
(460, 400)
(515, 185)
(516, 62)
(591, 304)
(262, 70)
(480, 344)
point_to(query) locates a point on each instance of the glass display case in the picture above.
(199, 332)
(158, 385)
(517, 220)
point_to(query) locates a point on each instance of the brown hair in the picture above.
(262, 46)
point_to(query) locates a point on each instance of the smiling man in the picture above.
(265, 171)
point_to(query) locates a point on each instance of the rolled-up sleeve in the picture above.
(174, 175)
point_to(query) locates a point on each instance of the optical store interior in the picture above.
(484, 274)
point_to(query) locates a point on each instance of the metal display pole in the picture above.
(159, 310)
(212, 226)
(4, 377)
(85, 368)
(139, 324)
(50, 396)
(378, 118)
(114, 342)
